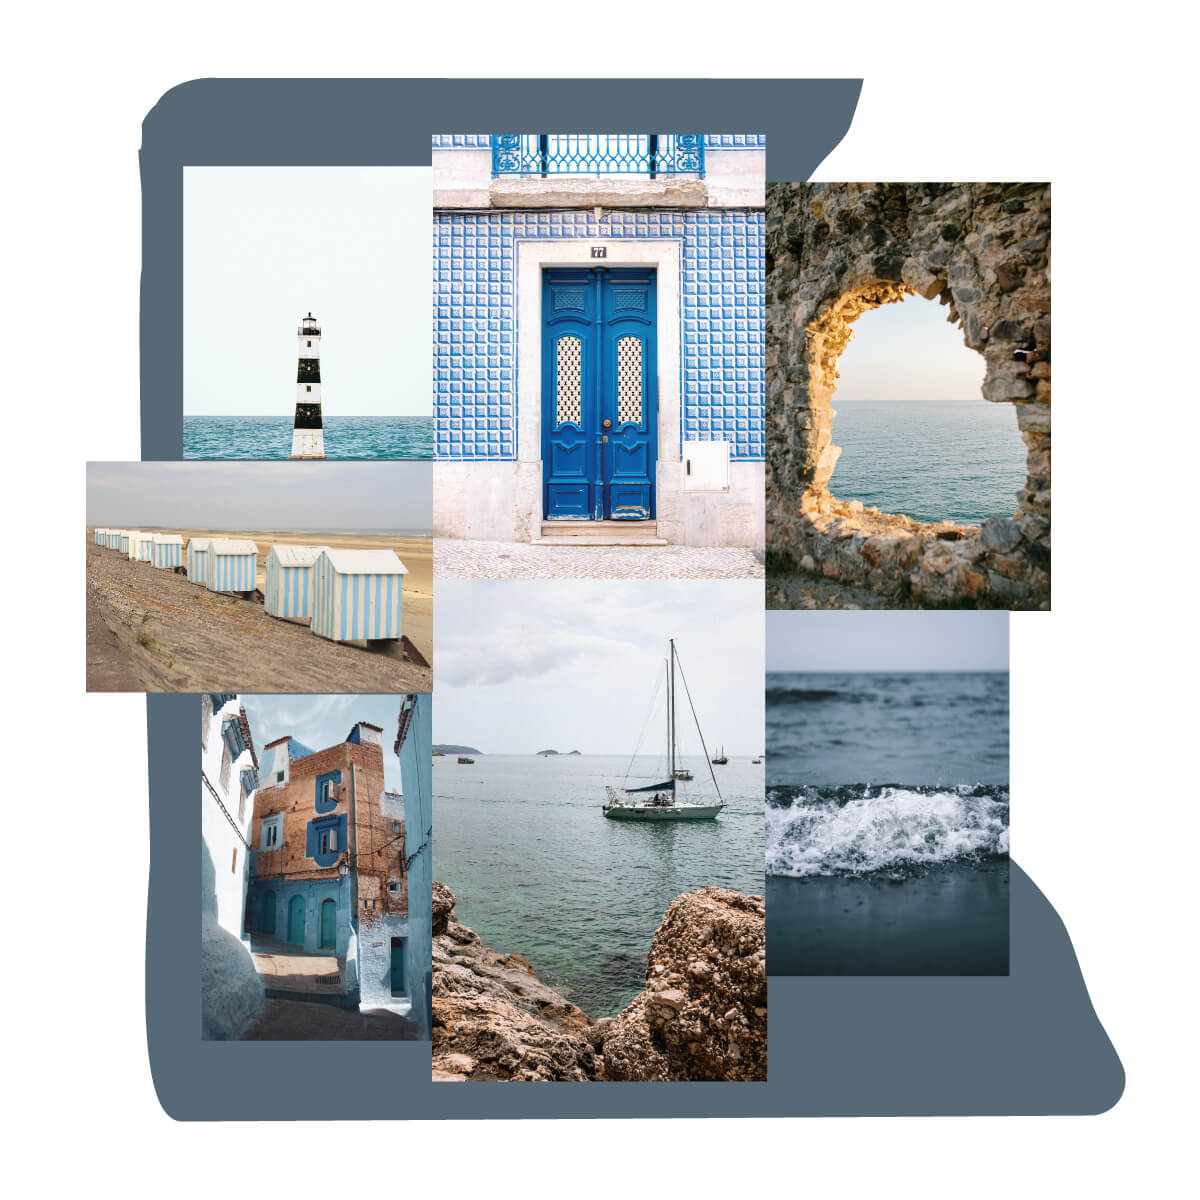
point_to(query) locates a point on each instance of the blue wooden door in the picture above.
(328, 923)
(268, 913)
(599, 393)
(397, 978)
(296, 920)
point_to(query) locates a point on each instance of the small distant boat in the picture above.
(462, 758)
(721, 760)
(656, 801)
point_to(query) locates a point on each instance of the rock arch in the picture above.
(835, 251)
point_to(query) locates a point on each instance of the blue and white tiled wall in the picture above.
(475, 321)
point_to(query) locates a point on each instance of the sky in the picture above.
(908, 351)
(323, 721)
(264, 246)
(887, 641)
(357, 497)
(543, 664)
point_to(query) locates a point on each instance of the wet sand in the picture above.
(952, 921)
(168, 634)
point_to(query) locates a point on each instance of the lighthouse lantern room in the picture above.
(308, 435)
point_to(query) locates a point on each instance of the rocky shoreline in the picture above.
(702, 1015)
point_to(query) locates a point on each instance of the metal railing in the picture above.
(538, 155)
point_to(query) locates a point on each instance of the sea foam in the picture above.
(898, 830)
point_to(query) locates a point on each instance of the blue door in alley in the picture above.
(397, 966)
(599, 393)
(296, 920)
(328, 923)
(268, 913)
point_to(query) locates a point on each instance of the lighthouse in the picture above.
(308, 437)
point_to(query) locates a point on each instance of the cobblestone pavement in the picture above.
(308, 1020)
(454, 559)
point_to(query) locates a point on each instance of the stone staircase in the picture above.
(599, 533)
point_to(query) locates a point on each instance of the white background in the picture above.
(1104, 783)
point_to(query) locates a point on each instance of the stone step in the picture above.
(592, 528)
(600, 540)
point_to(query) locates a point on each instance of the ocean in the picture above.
(931, 460)
(271, 437)
(887, 823)
(537, 870)
(866, 728)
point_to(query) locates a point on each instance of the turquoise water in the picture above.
(537, 870)
(931, 460)
(271, 437)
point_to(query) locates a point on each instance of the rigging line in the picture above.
(708, 761)
(645, 726)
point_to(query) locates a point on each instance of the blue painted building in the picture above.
(395, 945)
(328, 866)
(598, 336)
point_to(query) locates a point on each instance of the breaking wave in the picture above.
(892, 831)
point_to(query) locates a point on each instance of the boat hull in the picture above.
(665, 812)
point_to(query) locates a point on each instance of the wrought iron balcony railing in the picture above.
(538, 155)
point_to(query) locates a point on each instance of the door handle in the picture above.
(606, 423)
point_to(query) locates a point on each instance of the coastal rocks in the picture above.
(836, 251)
(493, 1018)
(703, 1014)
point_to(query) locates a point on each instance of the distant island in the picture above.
(446, 748)
(543, 753)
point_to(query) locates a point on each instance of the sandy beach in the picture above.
(167, 634)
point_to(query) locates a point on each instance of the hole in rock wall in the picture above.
(915, 433)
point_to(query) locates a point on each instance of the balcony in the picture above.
(645, 155)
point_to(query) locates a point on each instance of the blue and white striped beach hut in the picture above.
(232, 565)
(197, 559)
(112, 538)
(133, 538)
(145, 547)
(99, 535)
(167, 550)
(356, 594)
(123, 541)
(288, 587)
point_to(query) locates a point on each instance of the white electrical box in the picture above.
(706, 466)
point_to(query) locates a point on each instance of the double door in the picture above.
(599, 393)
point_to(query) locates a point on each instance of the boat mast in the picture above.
(671, 708)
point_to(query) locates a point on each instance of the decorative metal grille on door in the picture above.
(629, 380)
(569, 394)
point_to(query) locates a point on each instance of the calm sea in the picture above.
(930, 460)
(538, 870)
(271, 437)
(864, 728)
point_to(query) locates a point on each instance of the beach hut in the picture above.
(99, 535)
(167, 550)
(145, 547)
(112, 538)
(288, 587)
(197, 559)
(356, 594)
(231, 566)
(123, 541)
(132, 538)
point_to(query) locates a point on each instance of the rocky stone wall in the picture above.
(834, 251)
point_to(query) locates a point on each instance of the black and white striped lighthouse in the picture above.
(308, 435)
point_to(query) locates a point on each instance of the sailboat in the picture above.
(657, 801)
(721, 760)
